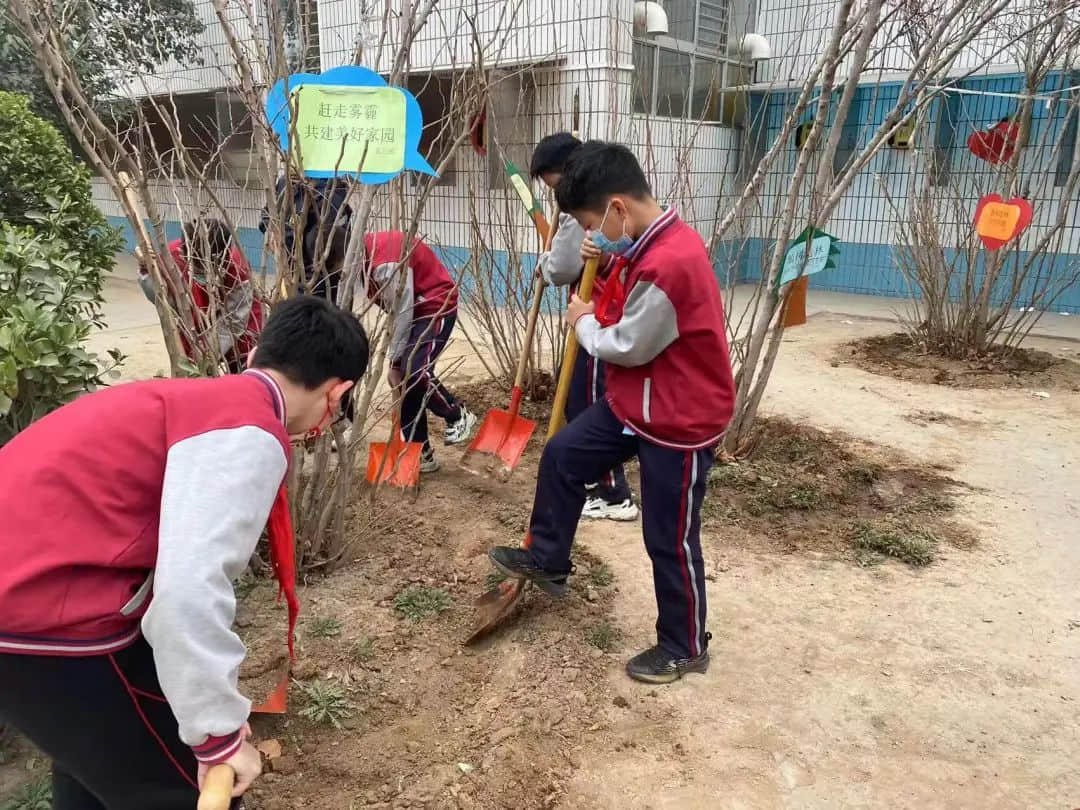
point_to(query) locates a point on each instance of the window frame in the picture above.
(706, 54)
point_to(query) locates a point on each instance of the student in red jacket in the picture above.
(423, 320)
(127, 514)
(219, 277)
(659, 327)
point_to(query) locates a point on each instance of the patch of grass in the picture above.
(932, 503)
(324, 627)
(421, 602)
(728, 475)
(36, 795)
(720, 509)
(327, 703)
(875, 541)
(759, 503)
(601, 575)
(604, 636)
(804, 497)
(362, 651)
(864, 472)
(792, 447)
(494, 580)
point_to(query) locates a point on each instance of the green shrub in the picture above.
(48, 305)
(55, 249)
(39, 175)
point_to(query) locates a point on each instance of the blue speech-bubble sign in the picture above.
(277, 113)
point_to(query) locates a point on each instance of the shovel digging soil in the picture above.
(396, 462)
(503, 436)
(498, 603)
(277, 701)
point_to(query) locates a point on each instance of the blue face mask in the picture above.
(613, 247)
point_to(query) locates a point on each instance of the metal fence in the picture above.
(690, 103)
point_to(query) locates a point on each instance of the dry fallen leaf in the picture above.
(270, 748)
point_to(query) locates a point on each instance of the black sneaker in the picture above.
(656, 665)
(518, 563)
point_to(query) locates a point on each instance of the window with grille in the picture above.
(702, 22)
(685, 72)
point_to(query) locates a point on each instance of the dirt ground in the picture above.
(433, 724)
(832, 684)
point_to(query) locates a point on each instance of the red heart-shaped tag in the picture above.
(997, 144)
(999, 221)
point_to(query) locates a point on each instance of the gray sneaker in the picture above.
(428, 462)
(462, 429)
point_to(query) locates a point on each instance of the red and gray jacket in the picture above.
(660, 328)
(237, 315)
(130, 512)
(428, 292)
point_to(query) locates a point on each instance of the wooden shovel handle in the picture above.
(127, 186)
(534, 309)
(216, 793)
(566, 372)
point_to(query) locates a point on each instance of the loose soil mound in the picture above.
(800, 489)
(899, 356)
(433, 724)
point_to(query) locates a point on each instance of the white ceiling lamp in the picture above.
(650, 18)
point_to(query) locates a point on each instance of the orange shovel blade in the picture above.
(504, 436)
(276, 701)
(396, 463)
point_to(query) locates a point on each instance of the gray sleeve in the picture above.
(563, 264)
(217, 493)
(234, 319)
(386, 282)
(647, 327)
(146, 284)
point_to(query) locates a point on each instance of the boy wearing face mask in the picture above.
(610, 497)
(127, 514)
(659, 326)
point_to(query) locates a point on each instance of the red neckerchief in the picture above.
(283, 558)
(609, 307)
(281, 540)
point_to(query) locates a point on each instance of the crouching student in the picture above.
(610, 496)
(423, 319)
(127, 515)
(659, 328)
(219, 278)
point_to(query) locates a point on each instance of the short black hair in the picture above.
(207, 232)
(310, 341)
(552, 152)
(595, 172)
